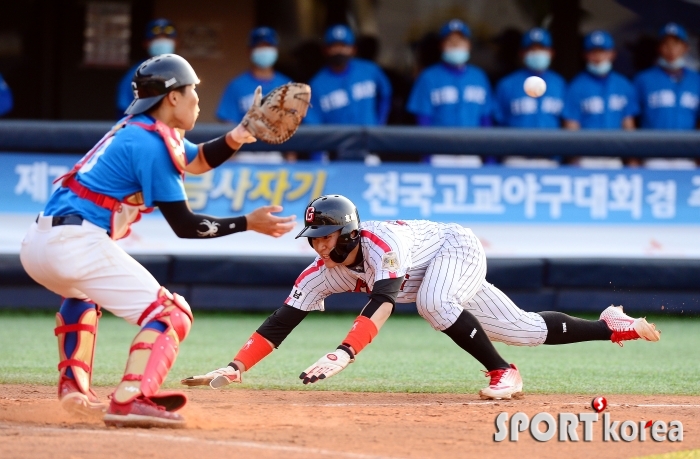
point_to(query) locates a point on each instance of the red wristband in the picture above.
(361, 334)
(254, 350)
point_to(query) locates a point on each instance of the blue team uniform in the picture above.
(514, 108)
(666, 103)
(238, 95)
(135, 160)
(361, 94)
(6, 101)
(444, 95)
(124, 92)
(600, 102)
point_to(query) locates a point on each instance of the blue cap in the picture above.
(158, 27)
(674, 30)
(598, 39)
(339, 33)
(536, 36)
(455, 26)
(263, 35)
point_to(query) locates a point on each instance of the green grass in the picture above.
(407, 356)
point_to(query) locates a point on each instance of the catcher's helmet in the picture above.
(327, 214)
(156, 77)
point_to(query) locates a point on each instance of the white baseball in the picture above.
(534, 86)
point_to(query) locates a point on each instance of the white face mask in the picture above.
(673, 65)
(161, 46)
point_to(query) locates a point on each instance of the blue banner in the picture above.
(489, 194)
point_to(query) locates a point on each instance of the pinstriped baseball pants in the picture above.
(456, 280)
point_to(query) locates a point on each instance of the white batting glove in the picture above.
(217, 378)
(240, 135)
(328, 365)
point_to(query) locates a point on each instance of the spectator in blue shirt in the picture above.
(238, 95)
(513, 107)
(160, 38)
(6, 101)
(452, 92)
(599, 97)
(348, 90)
(668, 93)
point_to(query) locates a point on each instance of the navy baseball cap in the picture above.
(674, 30)
(160, 26)
(598, 39)
(455, 26)
(537, 36)
(263, 35)
(339, 33)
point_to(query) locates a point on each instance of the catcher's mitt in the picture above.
(277, 116)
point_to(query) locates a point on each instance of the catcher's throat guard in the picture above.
(328, 214)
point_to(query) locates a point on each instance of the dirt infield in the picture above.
(272, 424)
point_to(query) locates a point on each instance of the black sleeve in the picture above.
(188, 225)
(385, 291)
(281, 323)
(217, 151)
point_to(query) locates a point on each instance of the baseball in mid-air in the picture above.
(534, 86)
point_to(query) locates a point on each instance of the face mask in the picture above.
(538, 60)
(338, 60)
(161, 46)
(455, 56)
(674, 65)
(264, 57)
(600, 69)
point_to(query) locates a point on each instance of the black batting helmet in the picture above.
(327, 214)
(156, 77)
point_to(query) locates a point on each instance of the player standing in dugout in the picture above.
(71, 248)
(440, 266)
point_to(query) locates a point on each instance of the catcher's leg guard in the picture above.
(136, 401)
(76, 330)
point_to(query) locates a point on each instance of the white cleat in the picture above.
(215, 379)
(626, 328)
(506, 383)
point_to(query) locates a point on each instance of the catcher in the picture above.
(139, 165)
(442, 267)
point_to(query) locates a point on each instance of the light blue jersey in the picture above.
(444, 95)
(361, 94)
(6, 101)
(666, 102)
(514, 108)
(600, 102)
(238, 95)
(133, 160)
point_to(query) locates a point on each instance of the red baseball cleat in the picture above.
(506, 383)
(141, 412)
(76, 402)
(626, 328)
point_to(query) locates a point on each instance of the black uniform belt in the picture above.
(65, 220)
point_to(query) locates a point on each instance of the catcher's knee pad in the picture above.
(153, 352)
(76, 330)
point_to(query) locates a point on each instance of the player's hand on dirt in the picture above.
(262, 221)
(217, 378)
(328, 365)
(241, 135)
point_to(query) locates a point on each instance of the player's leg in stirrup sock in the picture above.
(76, 330)
(137, 402)
(564, 329)
(467, 333)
